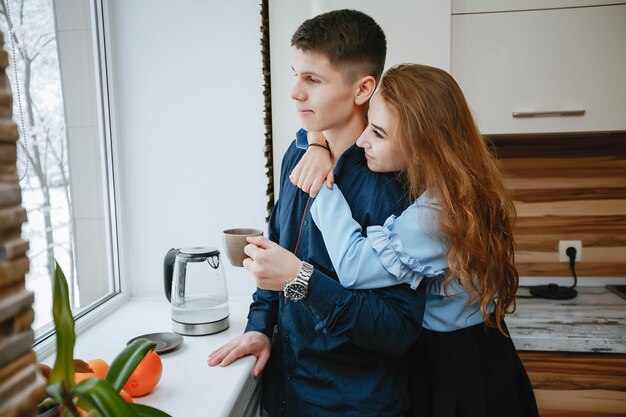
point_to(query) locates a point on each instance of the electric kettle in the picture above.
(195, 286)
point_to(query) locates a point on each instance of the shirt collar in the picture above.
(352, 155)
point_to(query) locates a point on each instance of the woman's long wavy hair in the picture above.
(446, 155)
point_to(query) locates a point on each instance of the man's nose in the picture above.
(297, 93)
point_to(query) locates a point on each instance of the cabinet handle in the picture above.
(520, 114)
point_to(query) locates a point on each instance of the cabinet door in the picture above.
(484, 6)
(544, 71)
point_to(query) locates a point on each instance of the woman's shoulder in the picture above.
(429, 200)
(419, 218)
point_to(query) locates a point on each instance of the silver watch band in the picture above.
(305, 272)
(297, 288)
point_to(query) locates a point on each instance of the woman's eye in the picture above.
(377, 133)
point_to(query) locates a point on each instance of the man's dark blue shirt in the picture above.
(338, 352)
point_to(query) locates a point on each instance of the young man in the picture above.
(336, 352)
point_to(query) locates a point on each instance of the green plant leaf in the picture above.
(146, 411)
(56, 391)
(103, 398)
(46, 404)
(63, 369)
(126, 361)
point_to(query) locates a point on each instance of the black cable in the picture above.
(554, 291)
(571, 253)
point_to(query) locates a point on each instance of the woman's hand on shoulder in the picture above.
(315, 168)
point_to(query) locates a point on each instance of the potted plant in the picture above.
(97, 397)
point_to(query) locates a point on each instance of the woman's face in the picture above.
(377, 138)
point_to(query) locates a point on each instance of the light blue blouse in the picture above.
(406, 249)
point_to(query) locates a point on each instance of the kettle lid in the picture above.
(198, 251)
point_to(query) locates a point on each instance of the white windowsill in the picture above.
(188, 385)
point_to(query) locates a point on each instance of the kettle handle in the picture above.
(168, 271)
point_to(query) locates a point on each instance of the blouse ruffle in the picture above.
(408, 269)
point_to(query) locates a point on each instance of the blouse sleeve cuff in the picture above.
(388, 247)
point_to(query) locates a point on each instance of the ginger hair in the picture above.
(446, 154)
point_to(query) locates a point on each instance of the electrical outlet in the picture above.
(564, 244)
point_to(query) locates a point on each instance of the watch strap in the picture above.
(301, 281)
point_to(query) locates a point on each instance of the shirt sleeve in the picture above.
(403, 250)
(364, 316)
(263, 314)
(302, 142)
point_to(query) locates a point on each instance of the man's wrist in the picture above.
(297, 288)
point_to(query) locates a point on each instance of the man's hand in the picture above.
(315, 168)
(250, 343)
(271, 264)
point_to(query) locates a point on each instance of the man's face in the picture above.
(325, 99)
(376, 140)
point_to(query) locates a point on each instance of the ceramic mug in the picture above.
(235, 241)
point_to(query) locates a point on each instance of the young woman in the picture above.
(456, 239)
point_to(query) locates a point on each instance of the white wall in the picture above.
(188, 88)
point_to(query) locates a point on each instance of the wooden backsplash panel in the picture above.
(568, 188)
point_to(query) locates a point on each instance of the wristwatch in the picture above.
(296, 289)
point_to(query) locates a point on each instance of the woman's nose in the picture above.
(362, 140)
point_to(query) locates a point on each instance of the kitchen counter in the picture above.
(188, 386)
(594, 321)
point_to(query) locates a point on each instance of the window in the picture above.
(59, 86)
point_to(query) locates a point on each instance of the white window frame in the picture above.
(99, 22)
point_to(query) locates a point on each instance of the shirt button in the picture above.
(288, 377)
(306, 222)
(286, 338)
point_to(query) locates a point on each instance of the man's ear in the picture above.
(365, 88)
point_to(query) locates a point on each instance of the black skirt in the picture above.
(472, 372)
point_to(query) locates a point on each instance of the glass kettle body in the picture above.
(195, 285)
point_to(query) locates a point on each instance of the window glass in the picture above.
(59, 105)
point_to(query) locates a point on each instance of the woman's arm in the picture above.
(360, 316)
(405, 249)
(315, 167)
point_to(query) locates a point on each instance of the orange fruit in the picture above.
(81, 376)
(146, 375)
(126, 396)
(99, 367)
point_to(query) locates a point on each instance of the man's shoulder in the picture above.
(378, 185)
(291, 157)
(374, 196)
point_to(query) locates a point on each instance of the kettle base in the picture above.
(200, 329)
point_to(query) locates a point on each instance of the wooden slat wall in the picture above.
(568, 188)
(577, 384)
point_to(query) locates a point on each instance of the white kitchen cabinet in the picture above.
(543, 71)
(485, 6)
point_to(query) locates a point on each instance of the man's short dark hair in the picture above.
(351, 40)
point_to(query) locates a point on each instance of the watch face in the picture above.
(295, 291)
